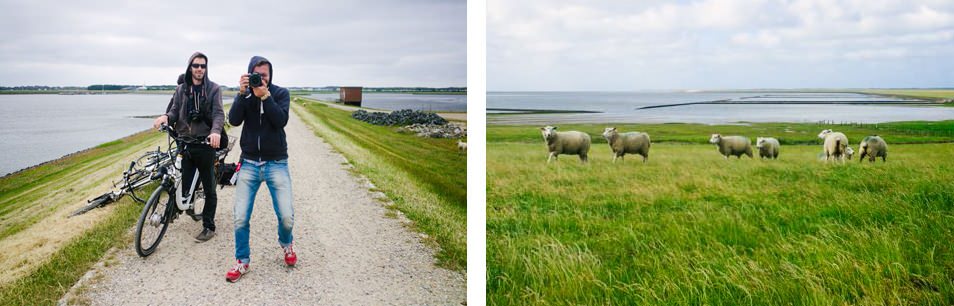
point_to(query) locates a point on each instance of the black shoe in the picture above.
(195, 217)
(205, 235)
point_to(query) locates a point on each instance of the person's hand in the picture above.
(162, 119)
(261, 90)
(214, 139)
(243, 83)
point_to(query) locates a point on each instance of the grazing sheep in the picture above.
(631, 142)
(848, 152)
(461, 147)
(873, 147)
(572, 143)
(836, 144)
(768, 147)
(732, 145)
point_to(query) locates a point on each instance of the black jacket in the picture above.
(263, 136)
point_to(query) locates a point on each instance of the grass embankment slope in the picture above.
(691, 228)
(425, 177)
(939, 95)
(44, 251)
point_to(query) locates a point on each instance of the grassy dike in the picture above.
(32, 195)
(928, 94)
(425, 177)
(691, 228)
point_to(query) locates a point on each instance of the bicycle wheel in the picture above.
(153, 222)
(143, 169)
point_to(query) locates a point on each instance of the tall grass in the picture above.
(425, 177)
(691, 228)
(33, 194)
(46, 284)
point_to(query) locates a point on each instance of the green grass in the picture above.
(51, 280)
(691, 228)
(25, 196)
(787, 133)
(425, 177)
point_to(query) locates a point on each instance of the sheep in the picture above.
(461, 147)
(768, 147)
(848, 152)
(572, 143)
(836, 144)
(732, 145)
(873, 147)
(632, 142)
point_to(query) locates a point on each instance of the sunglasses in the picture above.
(199, 66)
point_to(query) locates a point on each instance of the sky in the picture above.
(622, 45)
(310, 43)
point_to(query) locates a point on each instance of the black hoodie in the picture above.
(263, 136)
(212, 105)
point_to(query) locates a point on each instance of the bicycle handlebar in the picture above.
(169, 130)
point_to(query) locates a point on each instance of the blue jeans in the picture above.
(276, 177)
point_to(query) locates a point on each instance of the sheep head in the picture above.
(716, 138)
(609, 133)
(824, 133)
(549, 133)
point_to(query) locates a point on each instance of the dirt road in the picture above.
(351, 252)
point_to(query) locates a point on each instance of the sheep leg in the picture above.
(583, 158)
(550, 157)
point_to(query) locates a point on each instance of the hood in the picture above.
(257, 60)
(188, 74)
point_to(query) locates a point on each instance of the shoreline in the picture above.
(68, 155)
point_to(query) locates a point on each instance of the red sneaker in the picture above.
(237, 271)
(290, 257)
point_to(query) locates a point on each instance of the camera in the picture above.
(195, 115)
(255, 79)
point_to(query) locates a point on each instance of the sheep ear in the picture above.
(614, 128)
(554, 127)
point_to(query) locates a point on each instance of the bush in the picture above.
(402, 117)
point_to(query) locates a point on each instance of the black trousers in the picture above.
(201, 157)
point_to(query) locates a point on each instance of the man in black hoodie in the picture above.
(198, 117)
(264, 111)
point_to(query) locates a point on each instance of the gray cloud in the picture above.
(311, 43)
(631, 45)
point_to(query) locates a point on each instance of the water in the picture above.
(39, 128)
(622, 107)
(397, 101)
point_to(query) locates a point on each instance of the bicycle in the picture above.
(140, 173)
(160, 209)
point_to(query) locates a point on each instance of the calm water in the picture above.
(622, 107)
(40, 128)
(393, 101)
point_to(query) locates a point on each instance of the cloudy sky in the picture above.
(710, 44)
(311, 43)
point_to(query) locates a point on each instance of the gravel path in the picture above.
(350, 252)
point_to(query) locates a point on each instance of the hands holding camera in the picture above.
(251, 80)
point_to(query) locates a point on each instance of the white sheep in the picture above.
(768, 147)
(873, 147)
(461, 147)
(732, 145)
(848, 152)
(836, 144)
(631, 142)
(571, 143)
